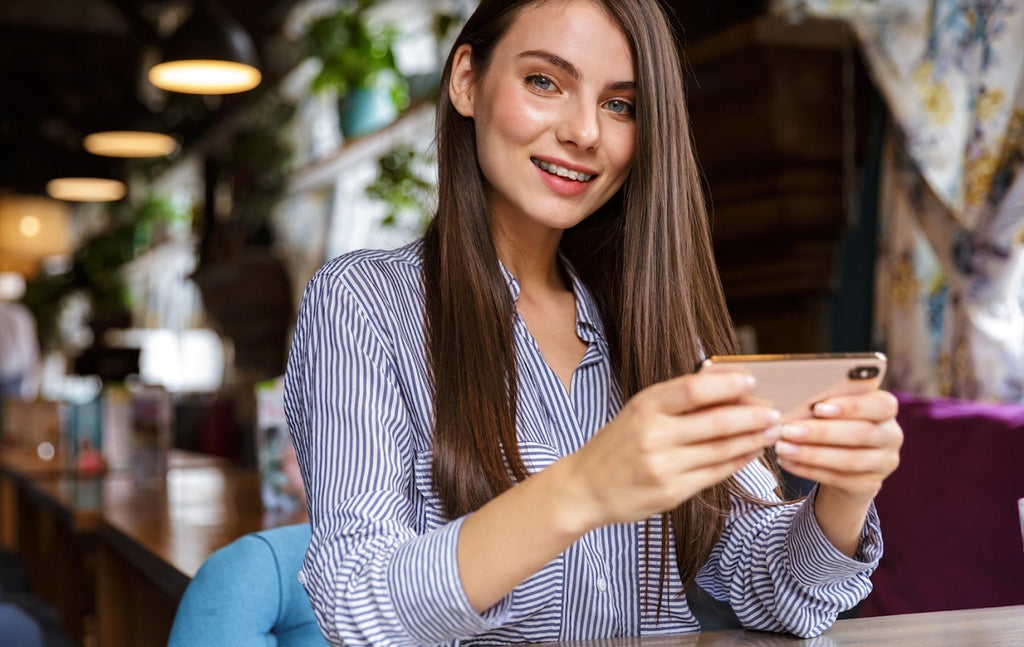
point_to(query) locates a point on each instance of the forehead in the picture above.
(580, 31)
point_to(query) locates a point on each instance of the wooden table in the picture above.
(997, 627)
(17, 468)
(114, 557)
(142, 546)
(26, 479)
(152, 543)
(55, 553)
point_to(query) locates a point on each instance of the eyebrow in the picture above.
(569, 68)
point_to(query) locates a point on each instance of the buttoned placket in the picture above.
(574, 417)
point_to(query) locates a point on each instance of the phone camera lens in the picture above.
(863, 372)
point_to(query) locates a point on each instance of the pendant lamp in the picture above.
(32, 228)
(85, 189)
(129, 143)
(209, 54)
(77, 176)
(131, 131)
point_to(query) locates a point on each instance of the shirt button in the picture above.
(602, 584)
(302, 578)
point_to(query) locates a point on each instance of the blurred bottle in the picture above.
(280, 481)
(81, 421)
(117, 426)
(151, 408)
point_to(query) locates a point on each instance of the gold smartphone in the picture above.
(794, 383)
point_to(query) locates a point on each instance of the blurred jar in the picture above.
(81, 422)
(151, 409)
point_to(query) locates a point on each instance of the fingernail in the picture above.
(773, 416)
(793, 432)
(825, 410)
(773, 433)
(749, 381)
(782, 448)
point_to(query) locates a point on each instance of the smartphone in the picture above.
(794, 383)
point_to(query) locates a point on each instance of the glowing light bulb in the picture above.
(29, 226)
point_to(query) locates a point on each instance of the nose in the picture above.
(580, 126)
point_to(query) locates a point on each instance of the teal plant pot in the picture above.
(365, 110)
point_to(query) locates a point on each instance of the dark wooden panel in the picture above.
(778, 113)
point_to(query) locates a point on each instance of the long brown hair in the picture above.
(645, 255)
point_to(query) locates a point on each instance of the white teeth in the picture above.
(561, 171)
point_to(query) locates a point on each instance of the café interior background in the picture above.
(869, 198)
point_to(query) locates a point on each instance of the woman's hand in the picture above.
(669, 442)
(850, 446)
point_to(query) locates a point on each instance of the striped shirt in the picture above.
(381, 567)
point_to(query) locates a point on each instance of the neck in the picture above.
(532, 259)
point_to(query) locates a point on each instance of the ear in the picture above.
(463, 81)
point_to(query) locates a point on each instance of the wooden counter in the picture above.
(113, 556)
(998, 627)
(17, 468)
(152, 542)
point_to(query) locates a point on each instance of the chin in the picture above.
(563, 223)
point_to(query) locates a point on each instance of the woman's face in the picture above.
(553, 113)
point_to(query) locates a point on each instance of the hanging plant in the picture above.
(358, 61)
(96, 265)
(403, 187)
(257, 166)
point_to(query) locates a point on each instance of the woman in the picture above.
(457, 405)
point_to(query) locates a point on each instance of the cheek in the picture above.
(621, 150)
(512, 119)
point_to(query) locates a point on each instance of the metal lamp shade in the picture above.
(209, 54)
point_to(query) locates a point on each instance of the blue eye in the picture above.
(620, 107)
(542, 83)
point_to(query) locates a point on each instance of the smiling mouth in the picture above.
(561, 171)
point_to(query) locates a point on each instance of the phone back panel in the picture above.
(794, 383)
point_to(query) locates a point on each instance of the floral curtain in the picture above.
(950, 273)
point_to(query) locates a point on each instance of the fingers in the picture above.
(854, 456)
(843, 433)
(880, 460)
(846, 445)
(627, 482)
(721, 422)
(697, 408)
(685, 458)
(864, 485)
(851, 434)
(696, 391)
(701, 478)
(876, 406)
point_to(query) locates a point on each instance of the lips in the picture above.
(576, 175)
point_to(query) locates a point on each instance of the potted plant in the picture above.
(405, 188)
(97, 266)
(359, 63)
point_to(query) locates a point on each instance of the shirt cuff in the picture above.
(816, 562)
(427, 592)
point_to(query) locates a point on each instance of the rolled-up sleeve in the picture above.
(371, 577)
(778, 571)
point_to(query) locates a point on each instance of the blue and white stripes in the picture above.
(381, 568)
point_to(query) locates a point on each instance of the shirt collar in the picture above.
(513, 282)
(588, 320)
